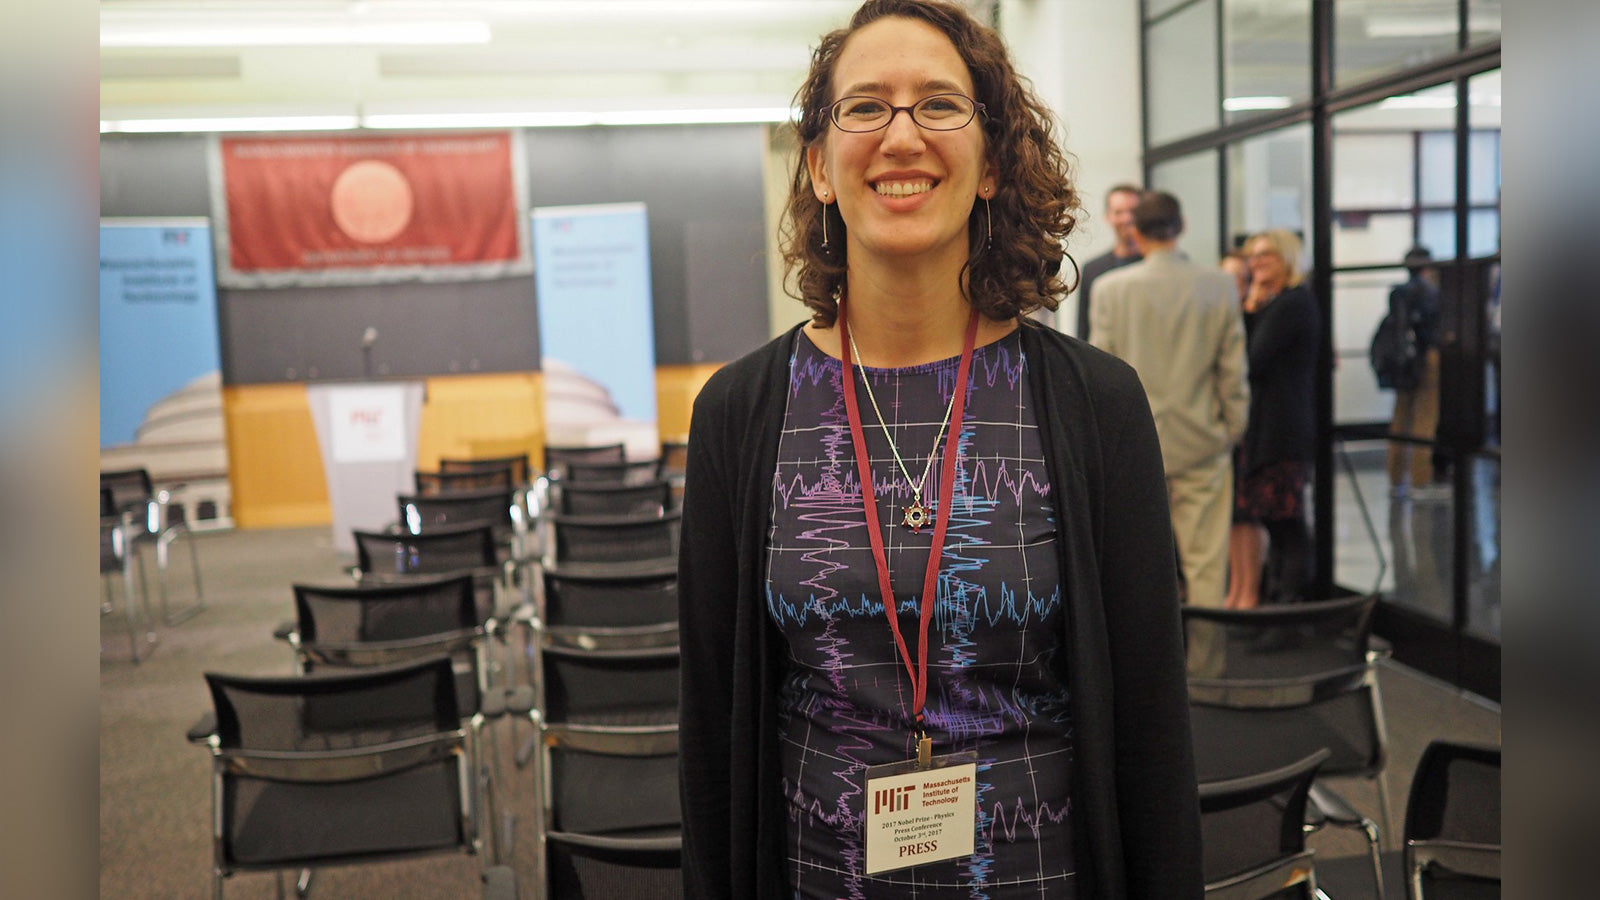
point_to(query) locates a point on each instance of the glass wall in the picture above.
(1401, 165)
(1483, 164)
(1269, 185)
(1181, 57)
(1266, 56)
(1193, 180)
(1373, 38)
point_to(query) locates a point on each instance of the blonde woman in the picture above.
(1281, 325)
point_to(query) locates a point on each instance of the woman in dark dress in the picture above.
(923, 533)
(1277, 450)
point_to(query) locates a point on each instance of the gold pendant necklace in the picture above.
(916, 515)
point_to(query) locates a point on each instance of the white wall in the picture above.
(1083, 58)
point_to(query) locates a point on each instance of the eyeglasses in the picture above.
(936, 112)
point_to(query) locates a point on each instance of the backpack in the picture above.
(1395, 355)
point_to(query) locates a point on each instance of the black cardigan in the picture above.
(1135, 808)
(1282, 340)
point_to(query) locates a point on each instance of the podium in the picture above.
(367, 432)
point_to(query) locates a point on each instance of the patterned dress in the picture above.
(996, 662)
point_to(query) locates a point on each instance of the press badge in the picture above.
(921, 815)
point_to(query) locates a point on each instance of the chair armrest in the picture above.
(499, 883)
(203, 730)
(1457, 857)
(1334, 808)
(286, 631)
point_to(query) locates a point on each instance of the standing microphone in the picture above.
(368, 338)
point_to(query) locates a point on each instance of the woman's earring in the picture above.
(824, 225)
(988, 225)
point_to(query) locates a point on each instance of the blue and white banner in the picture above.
(158, 317)
(596, 319)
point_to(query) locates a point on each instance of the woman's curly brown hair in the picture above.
(1033, 212)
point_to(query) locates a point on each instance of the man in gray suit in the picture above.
(1178, 324)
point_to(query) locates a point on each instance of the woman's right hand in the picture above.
(1256, 297)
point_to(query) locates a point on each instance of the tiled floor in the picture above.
(1407, 553)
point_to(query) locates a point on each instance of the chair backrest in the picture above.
(113, 546)
(1253, 831)
(582, 866)
(387, 623)
(130, 492)
(612, 539)
(1294, 678)
(591, 601)
(445, 549)
(582, 498)
(112, 550)
(1452, 828)
(557, 457)
(129, 488)
(392, 611)
(516, 463)
(610, 740)
(309, 768)
(420, 514)
(638, 471)
(610, 687)
(1285, 640)
(435, 483)
(674, 457)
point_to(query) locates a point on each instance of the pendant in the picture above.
(916, 516)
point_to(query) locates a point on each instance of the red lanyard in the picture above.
(947, 476)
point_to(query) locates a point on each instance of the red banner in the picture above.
(321, 210)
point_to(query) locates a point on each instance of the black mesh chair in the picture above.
(1253, 834)
(591, 610)
(642, 542)
(117, 562)
(674, 458)
(636, 471)
(582, 498)
(437, 551)
(1293, 679)
(606, 770)
(374, 624)
(365, 625)
(675, 466)
(339, 768)
(1452, 840)
(556, 458)
(149, 517)
(498, 507)
(384, 556)
(431, 484)
(516, 465)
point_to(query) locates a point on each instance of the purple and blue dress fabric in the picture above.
(997, 682)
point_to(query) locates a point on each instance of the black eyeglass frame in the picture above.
(978, 109)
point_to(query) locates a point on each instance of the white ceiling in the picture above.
(165, 59)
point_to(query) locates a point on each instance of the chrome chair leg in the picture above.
(1377, 858)
(163, 558)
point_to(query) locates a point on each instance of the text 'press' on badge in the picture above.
(917, 816)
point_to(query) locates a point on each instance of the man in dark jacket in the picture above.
(1416, 408)
(1120, 201)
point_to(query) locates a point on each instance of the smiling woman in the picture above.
(1000, 479)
